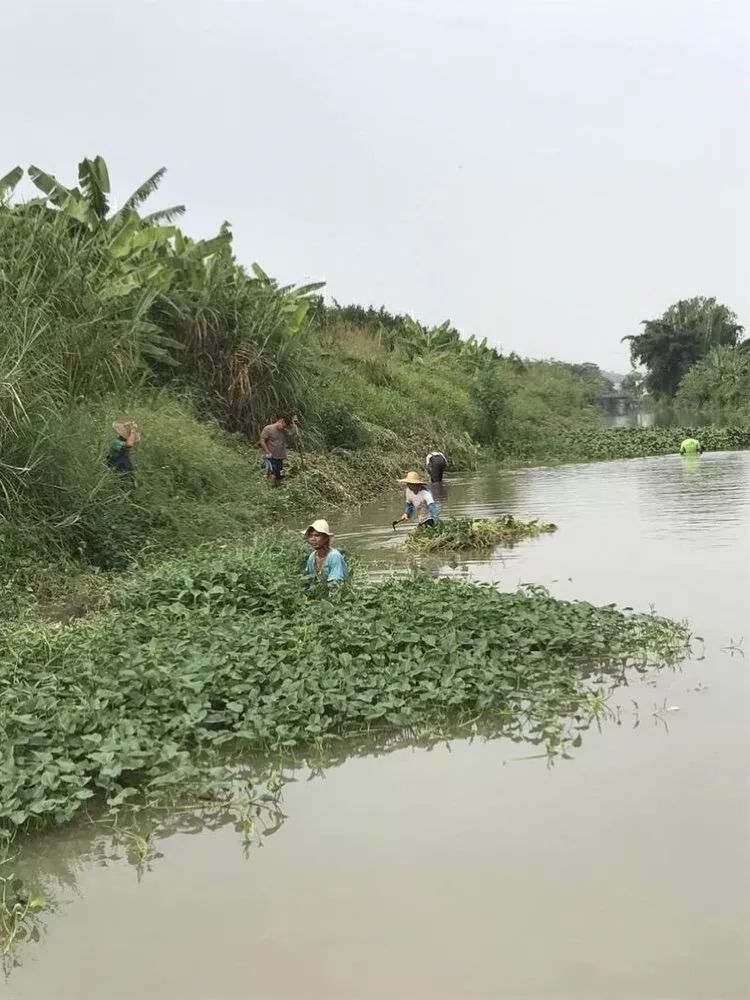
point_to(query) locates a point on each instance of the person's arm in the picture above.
(408, 511)
(309, 574)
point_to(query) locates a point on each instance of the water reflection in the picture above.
(633, 418)
(687, 494)
(138, 838)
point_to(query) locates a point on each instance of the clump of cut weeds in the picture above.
(456, 534)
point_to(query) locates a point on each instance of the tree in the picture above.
(632, 384)
(89, 203)
(718, 385)
(681, 337)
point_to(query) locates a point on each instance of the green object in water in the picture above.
(690, 446)
(457, 533)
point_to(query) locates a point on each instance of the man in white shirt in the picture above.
(419, 501)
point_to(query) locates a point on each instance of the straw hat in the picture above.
(321, 526)
(123, 428)
(413, 479)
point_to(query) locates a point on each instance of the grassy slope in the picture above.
(371, 415)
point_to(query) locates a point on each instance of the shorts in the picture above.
(275, 467)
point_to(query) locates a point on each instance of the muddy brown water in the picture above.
(464, 870)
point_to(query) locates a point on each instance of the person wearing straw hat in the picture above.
(419, 501)
(119, 455)
(324, 564)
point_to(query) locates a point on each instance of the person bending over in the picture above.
(419, 501)
(436, 465)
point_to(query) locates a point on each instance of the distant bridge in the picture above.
(617, 402)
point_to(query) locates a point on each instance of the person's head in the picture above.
(126, 431)
(413, 482)
(318, 535)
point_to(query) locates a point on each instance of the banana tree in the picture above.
(8, 184)
(89, 205)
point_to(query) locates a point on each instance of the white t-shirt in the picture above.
(421, 502)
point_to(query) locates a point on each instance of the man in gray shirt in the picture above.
(273, 439)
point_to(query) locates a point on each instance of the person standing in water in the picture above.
(119, 456)
(436, 464)
(691, 446)
(419, 502)
(324, 564)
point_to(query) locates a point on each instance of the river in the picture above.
(473, 869)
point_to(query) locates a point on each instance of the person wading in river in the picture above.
(273, 439)
(691, 446)
(436, 464)
(419, 501)
(324, 564)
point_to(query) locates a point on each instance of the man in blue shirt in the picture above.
(324, 564)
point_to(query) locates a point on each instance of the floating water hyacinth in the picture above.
(457, 533)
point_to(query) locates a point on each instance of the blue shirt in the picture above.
(333, 570)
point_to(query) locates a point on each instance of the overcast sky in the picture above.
(545, 174)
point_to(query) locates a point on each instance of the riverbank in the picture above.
(108, 315)
(217, 496)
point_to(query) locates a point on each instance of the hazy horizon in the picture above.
(545, 175)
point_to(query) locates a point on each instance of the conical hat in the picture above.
(413, 479)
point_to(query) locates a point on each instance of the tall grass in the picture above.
(106, 316)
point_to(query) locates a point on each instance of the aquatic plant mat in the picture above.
(456, 534)
(206, 673)
(223, 654)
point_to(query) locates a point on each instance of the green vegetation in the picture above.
(717, 389)
(19, 905)
(670, 345)
(200, 647)
(212, 656)
(601, 443)
(455, 534)
(118, 314)
(695, 358)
